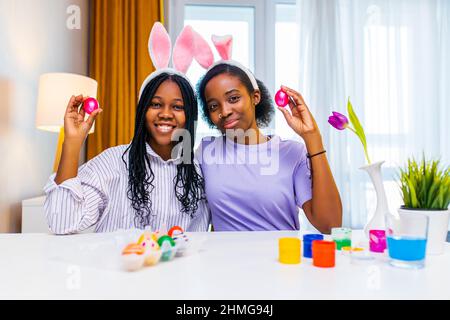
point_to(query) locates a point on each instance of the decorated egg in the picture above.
(168, 248)
(175, 231)
(168, 251)
(152, 254)
(133, 248)
(181, 238)
(133, 257)
(164, 239)
(90, 105)
(281, 98)
(182, 244)
(143, 238)
(148, 238)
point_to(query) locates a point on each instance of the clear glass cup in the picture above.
(407, 235)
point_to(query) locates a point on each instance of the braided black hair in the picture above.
(264, 110)
(188, 184)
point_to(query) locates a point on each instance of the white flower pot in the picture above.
(437, 228)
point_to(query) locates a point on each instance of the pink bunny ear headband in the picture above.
(189, 45)
(224, 46)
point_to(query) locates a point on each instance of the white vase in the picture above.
(437, 228)
(378, 220)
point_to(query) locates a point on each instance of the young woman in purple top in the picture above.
(255, 182)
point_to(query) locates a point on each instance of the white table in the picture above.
(230, 266)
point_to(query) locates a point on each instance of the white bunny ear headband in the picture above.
(189, 45)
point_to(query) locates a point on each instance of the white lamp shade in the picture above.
(55, 91)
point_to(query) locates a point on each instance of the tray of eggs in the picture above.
(154, 247)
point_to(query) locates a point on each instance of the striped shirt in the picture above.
(97, 197)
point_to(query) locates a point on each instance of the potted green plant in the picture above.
(425, 188)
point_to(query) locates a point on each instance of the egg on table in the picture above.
(133, 257)
(168, 247)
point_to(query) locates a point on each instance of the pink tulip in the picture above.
(338, 120)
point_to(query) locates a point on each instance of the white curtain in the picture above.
(392, 58)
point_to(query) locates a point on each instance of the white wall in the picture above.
(34, 39)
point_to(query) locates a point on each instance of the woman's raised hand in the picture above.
(300, 119)
(76, 128)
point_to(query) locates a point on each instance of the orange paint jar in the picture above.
(324, 253)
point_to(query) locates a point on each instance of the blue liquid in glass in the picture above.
(407, 248)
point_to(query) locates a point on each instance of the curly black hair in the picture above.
(264, 111)
(188, 184)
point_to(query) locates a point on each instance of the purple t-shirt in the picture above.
(255, 187)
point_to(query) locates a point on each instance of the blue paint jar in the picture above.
(307, 243)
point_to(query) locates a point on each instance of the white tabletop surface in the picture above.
(230, 266)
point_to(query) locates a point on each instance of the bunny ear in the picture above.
(224, 45)
(159, 46)
(183, 52)
(202, 51)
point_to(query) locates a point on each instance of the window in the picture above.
(264, 31)
(208, 20)
(386, 97)
(286, 58)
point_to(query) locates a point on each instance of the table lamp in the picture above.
(55, 91)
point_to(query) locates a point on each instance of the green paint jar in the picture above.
(342, 237)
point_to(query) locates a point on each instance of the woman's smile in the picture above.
(165, 128)
(230, 123)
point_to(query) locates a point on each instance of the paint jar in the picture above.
(342, 237)
(289, 250)
(377, 240)
(324, 253)
(307, 243)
